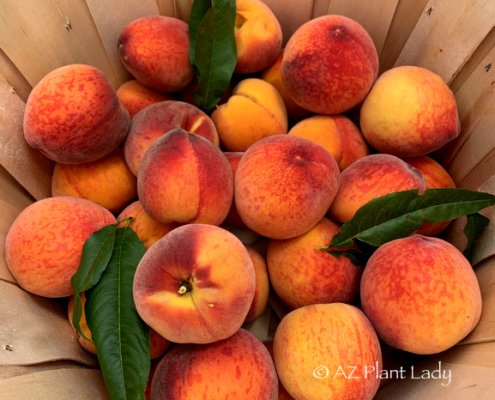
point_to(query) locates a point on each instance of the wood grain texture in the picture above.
(320, 8)
(19, 84)
(166, 7)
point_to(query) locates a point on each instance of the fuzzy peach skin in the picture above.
(195, 285)
(185, 178)
(73, 115)
(316, 349)
(273, 75)
(436, 177)
(237, 368)
(155, 50)
(329, 65)
(107, 181)
(302, 275)
(253, 112)
(262, 291)
(370, 177)
(284, 185)
(409, 112)
(258, 36)
(233, 216)
(420, 294)
(147, 229)
(157, 120)
(337, 134)
(282, 393)
(134, 96)
(44, 245)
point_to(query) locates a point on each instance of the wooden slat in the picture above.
(8, 214)
(183, 9)
(13, 76)
(320, 8)
(481, 173)
(479, 354)
(166, 7)
(9, 371)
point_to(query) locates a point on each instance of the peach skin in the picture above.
(262, 291)
(282, 393)
(134, 96)
(233, 216)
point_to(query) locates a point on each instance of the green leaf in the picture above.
(198, 12)
(96, 254)
(474, 226)
(121, 338)
(215, 53)
(357, 257)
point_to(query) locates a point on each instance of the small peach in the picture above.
(134, 96)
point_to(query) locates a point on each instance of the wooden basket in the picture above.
(39, 354)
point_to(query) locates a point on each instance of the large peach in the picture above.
(73, 115)
(44, 245)
(282, 393)
(155, 50)
(195, 285)
(237, 368)
(157, 120)
(185, 178)
(329, 64)
(370, 177)
(420, 294)
(253, 112)
(327, 351)
(284, 185)
(409, 112)
(262, 290)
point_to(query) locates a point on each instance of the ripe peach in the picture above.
(329, 64)
(73, 115)
(233, 216)
(44, 245)
(195, 285)
(284, 185)
(235, 368)
(155, 49)
(302, 275)
(262, 291)
(409, 112)
(327, 351)
(258, 36)
(107, 181)
(186, 95)
(157, 120)
(420, 294)
(134, 96)
(254, 111)
(337, 134)
(282, 393)
(185, 178)
(370, 177)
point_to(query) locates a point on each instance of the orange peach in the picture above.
(134, 96)
(329, 65)
(254, 111)
(370, 177)
(44, 245)
(409, 112)
(327, 351)
(302, 275)
(155, 49)
(282, 393)
(107, 181)
(262, 291)
(239, 367)
(420, 294)
(157, 120)
(233, 216)
(284, 185)
(195, 285)
(185, 178)
(73, 115)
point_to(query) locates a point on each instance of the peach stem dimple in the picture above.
(184, 287)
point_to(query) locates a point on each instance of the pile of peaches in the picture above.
(277, 157)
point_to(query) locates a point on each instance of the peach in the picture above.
(258, 36)
(302, 275)
(329, 64)
(284, 185)
(186, 95)
(282, 393)
(73, 115)
(157, 120)
(409, 112)
(155, 49)
(327, 351)
(195, 285)
(233, 216)
(185, 178)
(253, 112)
(239, 367)
(420, 294)
(147, 229)
(44, 245)
(370, 177)
(262, 290)
(107, 181)
(337, 134)
(273, 75)
(134, 96)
